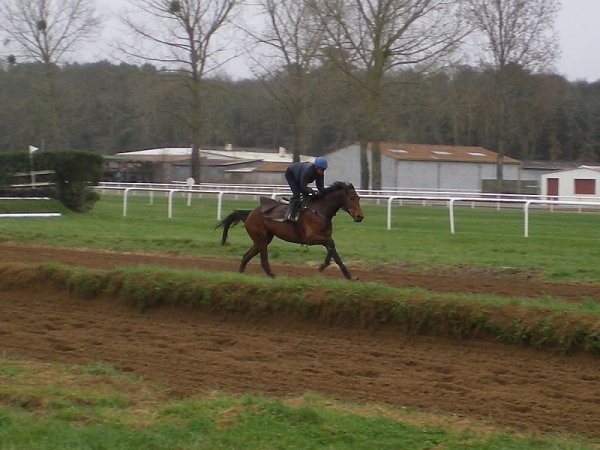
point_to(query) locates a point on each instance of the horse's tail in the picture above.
(237, 216)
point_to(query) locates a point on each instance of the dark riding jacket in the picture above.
(301, 174)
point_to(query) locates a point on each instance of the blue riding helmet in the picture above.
(320, 162)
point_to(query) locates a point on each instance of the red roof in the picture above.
(272, 167)
(447, 153)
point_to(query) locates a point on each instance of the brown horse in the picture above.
(313, 227)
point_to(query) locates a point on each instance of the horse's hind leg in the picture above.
(259, 247)
(264, 262)
(261, 237)
(264, 254)
(251, 253)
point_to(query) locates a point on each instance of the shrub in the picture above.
(11, 163)
(74, 171)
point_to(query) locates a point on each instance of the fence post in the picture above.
(389, 212)
(526, 218)
(125, 192)
(170, 206)
(219, 204)
(451, 208)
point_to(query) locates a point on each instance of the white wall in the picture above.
(344, 165)
(445, 175)
(255, 178)
(566, 182)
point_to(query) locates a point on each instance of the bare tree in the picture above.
(45, 31)
(518, 33)
(185, 37)
(286, 53)
(370, 38)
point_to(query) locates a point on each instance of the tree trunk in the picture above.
(297, 137)
(196, 124)
(364, 166)
(500, 166)
(502, 129)
(196, 163)
(376, 164)
(53, 129)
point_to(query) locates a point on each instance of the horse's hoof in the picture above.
(322, 267)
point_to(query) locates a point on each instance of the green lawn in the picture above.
(562, 245)
(52, 407)
(97, 407)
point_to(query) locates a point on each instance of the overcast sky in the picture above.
(577, 26)
(579, 36)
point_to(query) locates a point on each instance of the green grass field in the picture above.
(56, 406)
(50, 406)
(561, 246)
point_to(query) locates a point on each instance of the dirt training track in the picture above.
(191, 352)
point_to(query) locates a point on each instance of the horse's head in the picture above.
(346, 198)
(352, 203)
(343, 196)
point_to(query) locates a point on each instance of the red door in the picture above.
(552, 187)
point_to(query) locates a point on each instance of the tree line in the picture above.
(463, 72)
(108, 108)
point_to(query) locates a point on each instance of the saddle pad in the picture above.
(272, 209)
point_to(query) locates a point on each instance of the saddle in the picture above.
(275, 209)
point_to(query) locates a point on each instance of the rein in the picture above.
(328, 207)
(313, 210)
(320, 214)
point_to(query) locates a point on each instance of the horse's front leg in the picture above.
(327, 261)
(332, 253)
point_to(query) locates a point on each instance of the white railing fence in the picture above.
(427, 197)
(28, 214)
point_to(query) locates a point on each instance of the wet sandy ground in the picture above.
(192, 352)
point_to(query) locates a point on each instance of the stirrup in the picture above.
(288, 213)
(292, 212)
(291, 217)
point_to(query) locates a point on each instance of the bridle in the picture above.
(326, 200)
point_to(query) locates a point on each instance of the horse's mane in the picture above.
(337, 186)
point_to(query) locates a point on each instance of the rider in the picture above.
(298, 176)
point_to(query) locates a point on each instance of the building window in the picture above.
(552, 187)
(585, 186)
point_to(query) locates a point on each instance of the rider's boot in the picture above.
(291, 213)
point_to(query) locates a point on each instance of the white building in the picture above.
(225, 165)
(582, 183)
(426, 167)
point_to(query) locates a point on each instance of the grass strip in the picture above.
(57, 406)
(542, 323)
(562, 245)
(31, 206)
